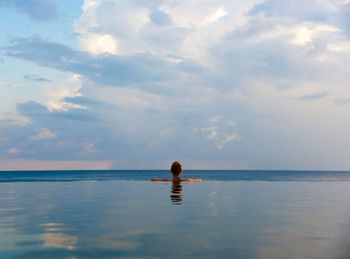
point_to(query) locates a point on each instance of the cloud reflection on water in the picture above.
(59, 240)
(135, 219)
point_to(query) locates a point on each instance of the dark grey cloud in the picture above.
(40, 10)
(31, 109)
(36, 78)
(113, 70)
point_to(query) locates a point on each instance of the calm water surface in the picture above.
(141, 219)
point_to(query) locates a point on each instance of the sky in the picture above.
(137, 84)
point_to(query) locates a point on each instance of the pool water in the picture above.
(142, 219)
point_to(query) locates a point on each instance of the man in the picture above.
(176, 170)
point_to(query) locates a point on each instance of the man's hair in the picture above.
(176, 168)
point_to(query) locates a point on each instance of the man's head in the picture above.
(176, 169)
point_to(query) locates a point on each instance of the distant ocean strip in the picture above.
(146, 175)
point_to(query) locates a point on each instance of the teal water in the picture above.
(142, 219)
(144, 175)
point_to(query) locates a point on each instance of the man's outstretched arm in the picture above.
(159, 180)
(192, 180)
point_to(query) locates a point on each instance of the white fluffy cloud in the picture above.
(99, 44)
(43, 134)
(220, 135)
(57, 94)
(227, 139)
(184, 28)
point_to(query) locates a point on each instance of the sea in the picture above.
(122, 214)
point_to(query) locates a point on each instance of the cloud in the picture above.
(227, 139)
(55, 135)
(212, 131)
(36, 78)
(344, 2)
(43, 133)
(310, 10)
(160, 18)
(219, 14)
(313, 96)
(13, 151)
(306, 34)
(79, 101)
(40, 10)
(99, 44)
(342, 101)
(217, 118)
(113, 70)
(162, 28)
(219, 134)
(31, 109)
(58, 94)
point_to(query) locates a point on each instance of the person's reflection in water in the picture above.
(176, 193)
